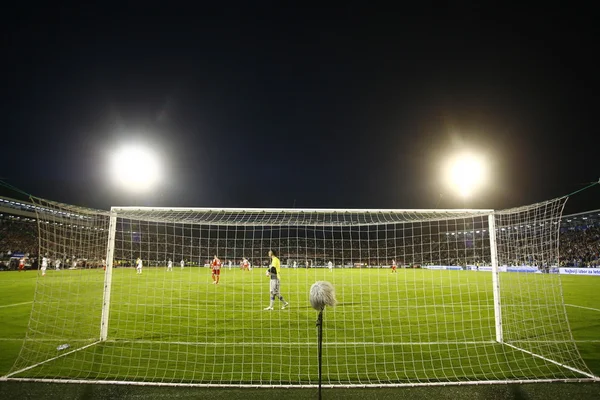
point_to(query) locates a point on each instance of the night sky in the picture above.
(346, 107)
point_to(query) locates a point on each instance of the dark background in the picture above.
(264, 106)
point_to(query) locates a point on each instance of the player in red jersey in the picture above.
(245, 265)
(394, 266)
(216, 270)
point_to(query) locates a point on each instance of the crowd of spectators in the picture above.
(579, 246)
(18, 235)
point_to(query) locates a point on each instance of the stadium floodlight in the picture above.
(135, 168)
(465, 173)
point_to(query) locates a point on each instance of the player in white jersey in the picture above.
(170, 265)
(57, 264)
(44, 265)
(330, 265)
(229, 263)
(182, 263)
(139, 265)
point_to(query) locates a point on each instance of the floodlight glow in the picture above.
(466, 173)
(135, 168)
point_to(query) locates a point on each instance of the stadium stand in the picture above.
(579, 244)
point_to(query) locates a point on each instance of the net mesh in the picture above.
(416, 303)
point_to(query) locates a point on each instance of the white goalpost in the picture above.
(495, 278)
(425, 297)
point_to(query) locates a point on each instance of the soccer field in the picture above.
(177, 327)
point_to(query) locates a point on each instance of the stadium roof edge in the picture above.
(582, 213)
(15, 200)
(13, 211)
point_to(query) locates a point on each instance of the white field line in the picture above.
(342, 305)
(555, 341)
(15, 304)
(198, 306)
(201, 306)
(48, 360)
(285, 344)
(553, 362)
(294, 343)
(46, 340)
(300, 386)
(586, 308)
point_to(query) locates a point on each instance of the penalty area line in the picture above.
(585, 308)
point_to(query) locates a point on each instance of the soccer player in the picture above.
(215, 266)
(170, 265)
(138, 266)
(104, 264)
(394, 266)
(273, 273)
(57, 264)
(330, 266)
(22, 264)
(44, 265)
(182, 263)
(245, 265)
(230, 264)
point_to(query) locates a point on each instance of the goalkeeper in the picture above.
(273, 272)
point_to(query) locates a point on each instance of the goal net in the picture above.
(424, 297)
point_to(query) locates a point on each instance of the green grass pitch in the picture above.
(177, 327)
